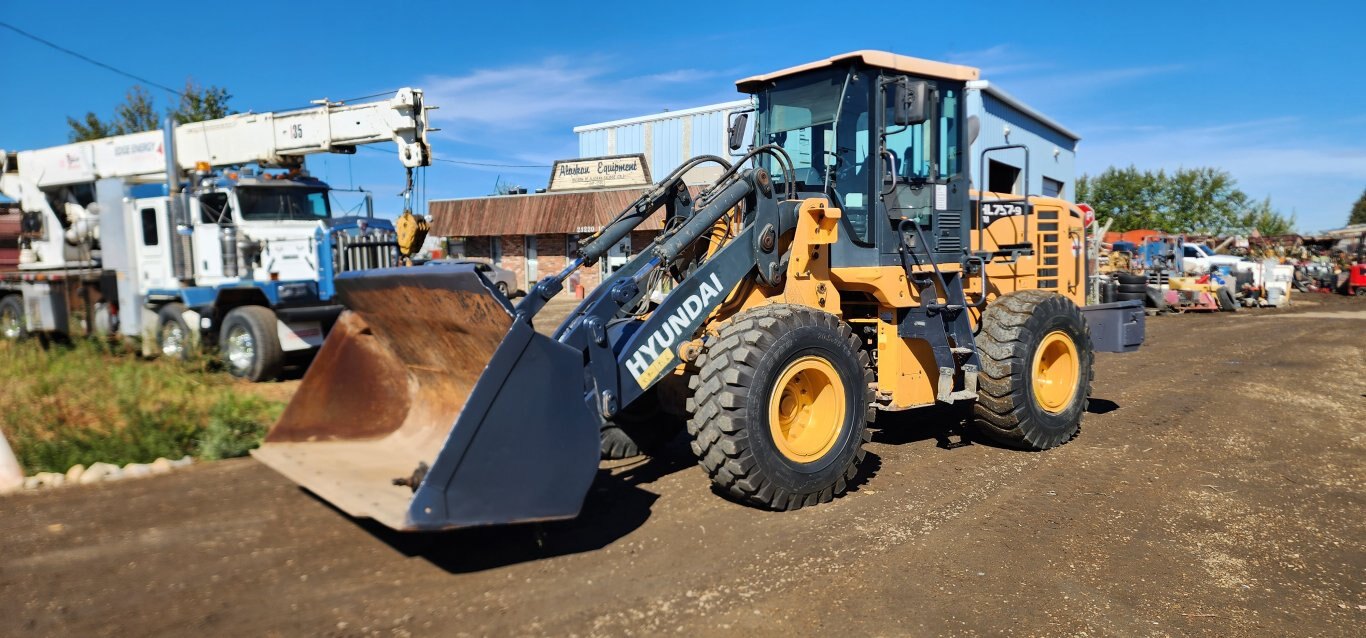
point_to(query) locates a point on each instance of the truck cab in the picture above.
(254, 238)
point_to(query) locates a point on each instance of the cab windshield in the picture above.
(821, 120)
(283, 203)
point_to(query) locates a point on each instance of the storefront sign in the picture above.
(600, 172)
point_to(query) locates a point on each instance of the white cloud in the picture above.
(997, 61)
(555, 92)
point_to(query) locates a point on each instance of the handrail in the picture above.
(981, 199)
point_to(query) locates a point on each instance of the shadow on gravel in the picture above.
(616, 505)
(1101, 406)
(946, 424)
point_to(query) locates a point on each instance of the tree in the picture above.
(201, 103)
(1358, 215)
(1264, 219)
(1188, 200)
(1130, 197)
(138, 112)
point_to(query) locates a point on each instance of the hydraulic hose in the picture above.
(638, 211)
(702, 220)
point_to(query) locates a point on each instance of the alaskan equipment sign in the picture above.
(599, 172)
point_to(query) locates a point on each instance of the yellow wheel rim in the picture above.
(806, 411)
(1056, 371)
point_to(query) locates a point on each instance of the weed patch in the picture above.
(88, 402)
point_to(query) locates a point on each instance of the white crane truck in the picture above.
(203, 234)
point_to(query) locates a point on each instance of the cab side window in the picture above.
(950, 154)
(215, 209)
(149, 227)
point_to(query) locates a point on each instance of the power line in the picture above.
(451, 161)
(89, 59)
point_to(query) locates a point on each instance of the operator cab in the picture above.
(883, 136)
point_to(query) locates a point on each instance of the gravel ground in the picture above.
(1216, 488)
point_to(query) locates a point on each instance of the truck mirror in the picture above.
(735, 136)
(909, 106)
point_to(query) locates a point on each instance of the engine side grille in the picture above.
(374, 249)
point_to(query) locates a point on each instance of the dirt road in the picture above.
(1216, 489)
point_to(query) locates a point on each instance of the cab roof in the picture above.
(879, 59)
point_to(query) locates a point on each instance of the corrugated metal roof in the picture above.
(655, 117)
(1000, 94)
(569, 213)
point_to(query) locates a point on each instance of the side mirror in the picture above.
(735, 136)
(910, 103)
(974, 127)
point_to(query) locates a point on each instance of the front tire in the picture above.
(250, 343)
(643, 427)
(174, 340)
(1036, 370)
(13, 325)
(780, 407)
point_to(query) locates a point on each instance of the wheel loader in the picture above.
(843, 267)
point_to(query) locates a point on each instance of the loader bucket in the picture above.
(429, 407)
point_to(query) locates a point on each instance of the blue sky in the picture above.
(1271, 92)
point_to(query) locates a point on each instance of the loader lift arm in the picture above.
(625, 358)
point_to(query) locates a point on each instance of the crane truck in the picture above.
(204, 234)
(843, 267)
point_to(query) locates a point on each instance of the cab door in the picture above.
(151, 243)
(923, 177)
(210, 212)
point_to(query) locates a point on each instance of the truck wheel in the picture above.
(173, 334)
(12, 324)
(1036, 370)
(641, 428)
(503, 288)
(250, 341)
(780, 407)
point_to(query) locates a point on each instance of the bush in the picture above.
(84, 403)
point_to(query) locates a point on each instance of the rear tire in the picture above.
(250, 343)
(1036, 370)
(780, 407)
(174, 340)
(502, 288)
(13, 325)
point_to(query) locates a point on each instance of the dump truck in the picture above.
(204, 234)
(843, 267)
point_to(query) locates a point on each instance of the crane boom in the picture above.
(270, 139)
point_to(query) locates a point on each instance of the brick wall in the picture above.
(640, 240)
(477, 248)
(514, 258)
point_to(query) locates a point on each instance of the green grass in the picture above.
(88, 402)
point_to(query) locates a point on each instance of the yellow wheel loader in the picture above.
(843, 267)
